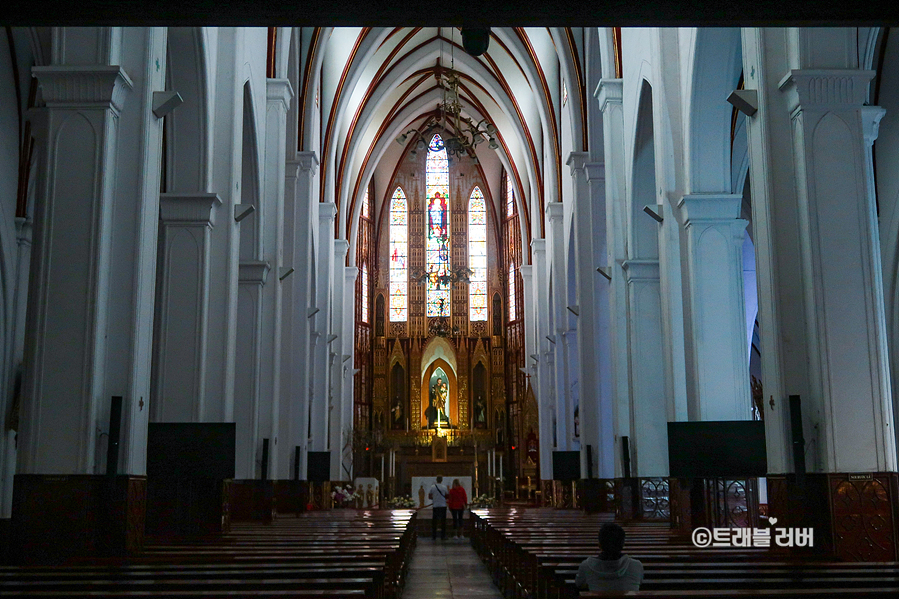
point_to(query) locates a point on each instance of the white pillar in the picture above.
(562, 401)
(92, 289)
(179, 361)
(715, 262)
(347, 360)
(227, 127)
(336, 430)
(296, 360)
(544, 382)
(649, 438)
(278, 95)
(16, 347)
(248, 404)
(321, 331)
(851, 399)
(609, 95)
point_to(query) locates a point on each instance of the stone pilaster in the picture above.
(715, 263)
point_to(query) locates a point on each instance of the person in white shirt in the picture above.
(437, 495)
(612, 570)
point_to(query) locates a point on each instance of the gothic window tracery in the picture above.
(477, 255)
(399, 252)
(437, 238)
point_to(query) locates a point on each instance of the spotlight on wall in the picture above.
(535, 357)
(331, 338)
(550, 339)
(346, 357)
(285, 272)
(655, 215)
(165, 102)
(574, 310)
(241, 211)
(745, 100)
(604, 271)
(312, 312)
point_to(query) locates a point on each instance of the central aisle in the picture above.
(444, 569)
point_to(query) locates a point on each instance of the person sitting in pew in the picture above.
(612, 570)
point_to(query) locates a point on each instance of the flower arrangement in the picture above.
(344, 496)
(401, 502)
(483, 501)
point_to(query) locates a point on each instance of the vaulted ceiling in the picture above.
(376, 83)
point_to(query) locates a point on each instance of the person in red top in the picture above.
(456, 502)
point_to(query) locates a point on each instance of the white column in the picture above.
(544, 383)
(95, 229)
(248, 404)
(299, 218)
(321, 330)
(649, 410)
(336, 428)
(609, 95)
(278, 95)
(16, 346)
(851, 398)
(562, 400)
(715, 263)
(179, 360)
(348, 339)
(227, 176)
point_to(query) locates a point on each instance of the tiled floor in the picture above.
(447, 569)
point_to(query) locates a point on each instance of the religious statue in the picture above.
(360, 501)
(396, 412)
(370, 496)
(421, 495)
(480, 413)
(440, 392)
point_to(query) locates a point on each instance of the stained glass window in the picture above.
(437, 247)
(510, 196)
(399, 251)
(364, 292)
(477, 255)
(513, 315)
(366, 206)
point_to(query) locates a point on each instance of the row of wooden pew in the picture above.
(334, 554)
(535, 553)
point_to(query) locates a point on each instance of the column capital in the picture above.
(90, 86)
(871, 116)
(326, 212)
(641, 270)
(538, 246)
(710, 207)
(305, 161)
(279, 90)
(350, 272)
(608, 92)
(577, 161)
(341, 247)
(526, 271)
(596, 171)
(253, 271)
(555, 211)
(826, 88)
(196, 209)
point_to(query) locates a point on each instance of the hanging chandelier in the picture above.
(462, 134)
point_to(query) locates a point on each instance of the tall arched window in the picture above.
(513, 312)
(364, 274)
(437, 247)
(510, 196)
(366, 204)
(477, 255)
(399, 250)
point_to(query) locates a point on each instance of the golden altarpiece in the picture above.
(439, 338)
